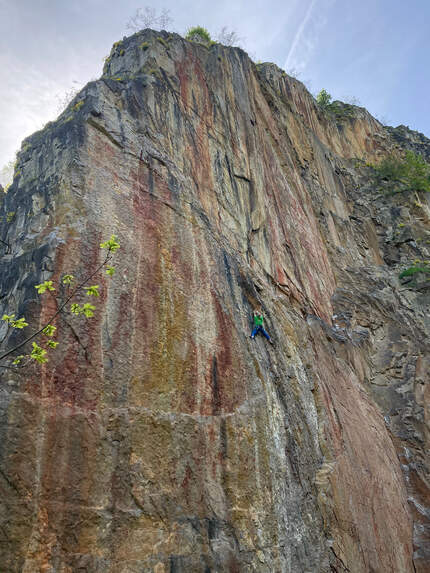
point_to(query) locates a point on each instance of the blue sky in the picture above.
(376, 51)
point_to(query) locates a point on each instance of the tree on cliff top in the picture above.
(323, 98)
(6, 173)
(229, 37)
(149, 17)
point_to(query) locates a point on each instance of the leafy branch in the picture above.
(38, 353)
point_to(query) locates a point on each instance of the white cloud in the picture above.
(306, 38)
(298, 35)
(28, 100)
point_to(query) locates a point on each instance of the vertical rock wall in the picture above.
(160, 437)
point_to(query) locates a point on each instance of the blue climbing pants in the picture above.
(258, 329)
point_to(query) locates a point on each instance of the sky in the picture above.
(376, 51)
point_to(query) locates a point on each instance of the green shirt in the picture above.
(258, 320)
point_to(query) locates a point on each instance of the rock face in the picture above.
(159, 436)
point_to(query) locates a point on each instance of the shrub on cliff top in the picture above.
(199, 35)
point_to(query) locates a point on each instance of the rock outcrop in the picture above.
(159, 436)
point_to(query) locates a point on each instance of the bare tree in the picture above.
(148, 17)
(352, 100)
(294, 73)
(6, 173)
(384, 120)
(66, 97)
(229, 37)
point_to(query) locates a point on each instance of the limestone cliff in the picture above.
(160, 437)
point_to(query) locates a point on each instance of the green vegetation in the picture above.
(49, 330)
(340, 110)
(417, 275)
(323, 99)
(92, 290)
(38, 353)
(10, 216)
(396, 175)
(144, 45)
(122, 52)
(86, 309)
(15, 323)
(78, 105)
(412, 271)
(199, 35)
(45, 286)
(63, 295)
(162, 41)
(111, 244)
(337, 109)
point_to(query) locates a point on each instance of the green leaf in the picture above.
(18, 360)
(68, 279)
(43, 287)
(52, 343)
(112, 244)
(93, 290)
(38, 353)
(110, 270)
(20, 323)
(75, 308)
(49, 330)
(8, 317)
(88, 309)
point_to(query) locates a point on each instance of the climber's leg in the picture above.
(254, 332)
(264, 333)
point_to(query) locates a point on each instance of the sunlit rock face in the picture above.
(159, 436)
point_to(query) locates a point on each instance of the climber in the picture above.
(258, 326)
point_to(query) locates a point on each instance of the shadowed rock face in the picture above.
(160, 437)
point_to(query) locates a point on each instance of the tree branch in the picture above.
(7, 245)
(59, 309)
